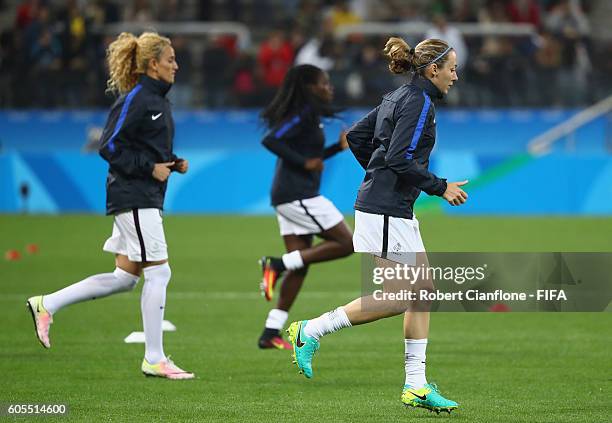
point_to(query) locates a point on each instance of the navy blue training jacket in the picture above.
(298, 138)
(393, 143)
(139, 132)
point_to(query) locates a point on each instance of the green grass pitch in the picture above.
(500, 367)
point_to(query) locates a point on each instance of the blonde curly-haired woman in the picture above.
(137, 144)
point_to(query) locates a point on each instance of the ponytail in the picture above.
(399, 54)
(128, 57)
(402, 58)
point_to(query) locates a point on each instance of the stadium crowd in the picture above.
(52, 52)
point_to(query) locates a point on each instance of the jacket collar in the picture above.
(427, 86)
(157, 86)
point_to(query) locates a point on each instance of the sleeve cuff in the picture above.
(442, 188)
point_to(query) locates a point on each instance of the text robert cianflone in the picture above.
(469, 295)
(413, 274)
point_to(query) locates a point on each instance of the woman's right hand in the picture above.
(314, 165)
(455, 195)
(161, 171)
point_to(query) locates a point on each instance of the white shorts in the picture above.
(309, 216)
(387, 236)
(139, 235)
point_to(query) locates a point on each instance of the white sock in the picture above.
(96, 286)
(293, 260)
(329, 322)
(276, 319)
(152, 304)
(415, 362)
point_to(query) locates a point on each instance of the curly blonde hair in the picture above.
(402, 58)
(128, 57)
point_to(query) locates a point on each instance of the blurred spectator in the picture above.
(211, 10)
(26, 12)
(40, 19)
(7, 65)
(181, 93)
(307, 16)
(99, 75)
(275, 57)
(140, 11)
(262, 12)
(23, 88)
(493, 11)
(561, 65)
(493, 74)
(97, 14)
(42, 55)
(340, 14)
(371, 65)
(440, 7)
(443, 31)
(602, 69)
(297, 38)
(216, 66)
(319, 50)
(46, 61)
(171, 11)
(382, 13)
(204, 10)
(548, 65)
(101, 12)
(243, 85)
(524, 11)
(46, 52)
(75, 43)
(569, 25)
(362, 8)
(464, 11)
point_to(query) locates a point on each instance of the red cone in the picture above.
(499, 308)
(32, 248)
(12, 255)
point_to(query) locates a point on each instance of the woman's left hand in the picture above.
(182, 166)
(343, 141)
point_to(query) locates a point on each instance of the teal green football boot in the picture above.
(428, 397)
(304, 347)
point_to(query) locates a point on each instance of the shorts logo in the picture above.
(397, 247)
(155, 117)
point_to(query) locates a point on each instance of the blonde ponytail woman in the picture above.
(137, 144)
(393, 144)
